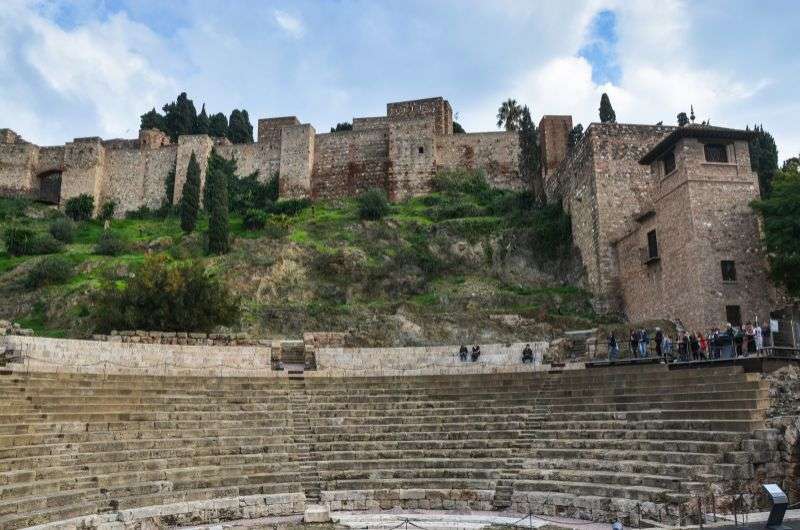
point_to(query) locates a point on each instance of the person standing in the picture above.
(634, 342)
(613, 347)
(759, 338)
(659, 338)
(644, 340)
(703, 345)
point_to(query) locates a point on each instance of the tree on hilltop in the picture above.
(683, 119)
(190, 200)
(607, 114)
(763, 158)
(218, 125)
(457, 128)
(180, 116)
(343, 126)
(153, 120)
(239, 129)
(509, 114)
(217, 204)
(202, 123)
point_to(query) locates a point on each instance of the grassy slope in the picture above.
(435, 270)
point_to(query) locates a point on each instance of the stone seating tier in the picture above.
(590, 443)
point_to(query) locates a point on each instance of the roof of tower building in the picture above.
(693, 131)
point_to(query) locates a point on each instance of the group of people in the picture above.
(727, 343)
(463, 353)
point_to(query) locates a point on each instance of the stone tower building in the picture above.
(662, 220)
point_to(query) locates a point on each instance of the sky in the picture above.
(92, 67)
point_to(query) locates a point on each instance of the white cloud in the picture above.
(290, 24)
(658, 80)
(102, 68)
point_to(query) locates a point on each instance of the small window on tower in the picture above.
(652, 245)
(421, 150)
(669, 163)
(728, 270)
(716, 153)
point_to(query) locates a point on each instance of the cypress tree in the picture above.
(529, 153)
(607, 114)
(180, 116)
(217, 186)
(190, 200)
(218, 125)
(239, 129)
(575, 135)
(202, 123)
(763, 158)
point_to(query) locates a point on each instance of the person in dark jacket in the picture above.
(634, 342)
(527, 354)
(476, 352)
(613, 347)
(659, 343)
(462, 353)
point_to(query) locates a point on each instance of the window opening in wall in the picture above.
(728, 270)
(652, 245)
(733, 314)
(421, 150)
(716, 153)
(669, 163)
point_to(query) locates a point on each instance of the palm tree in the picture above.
(509, 114)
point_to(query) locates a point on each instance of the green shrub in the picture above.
(472, 228)
(373, 204)
(46, 244)
(11, 208)
(107, 210)
(289, 206)
(457, 208)
(275, 230)
(22, 241)
(247, 193)
(110, 244)
(80, 208)
(254, 219)
(144, 212)
(18, 240)
(52, 270)
(63, 229)
(166, 295)
(461, 181)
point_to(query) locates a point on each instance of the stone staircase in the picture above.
(303, 439)
(599, 444)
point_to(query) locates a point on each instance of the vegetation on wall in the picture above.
(781, 214)
(763, 158)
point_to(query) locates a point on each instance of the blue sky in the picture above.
(91, 67)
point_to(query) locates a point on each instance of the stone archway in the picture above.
(49, 186)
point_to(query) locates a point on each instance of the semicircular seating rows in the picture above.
(587, 443)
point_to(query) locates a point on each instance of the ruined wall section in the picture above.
(369, 123)
(200, 145)
(437, 110)
(264, 157)
(84, 169)
(348, 163)
(18, 163)
(496, 153)
(297, 160)
(412, 145)
(137, 177)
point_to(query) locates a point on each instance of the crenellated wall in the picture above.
(399, 152)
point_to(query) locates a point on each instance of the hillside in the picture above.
(465, 263)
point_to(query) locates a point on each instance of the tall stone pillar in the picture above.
(297, 161)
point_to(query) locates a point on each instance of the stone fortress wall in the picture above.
(398, 152)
